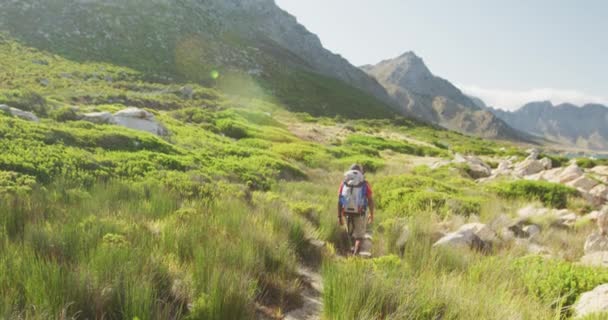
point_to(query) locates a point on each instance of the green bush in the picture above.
(423, 191)
(64, 114)
(588, 163)
(558, 283)
(551, 194)
(232, 129)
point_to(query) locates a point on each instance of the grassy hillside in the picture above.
(214, 220)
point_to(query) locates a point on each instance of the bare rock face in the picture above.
(139, 119)
(571, 173)
(529, 167)
(592, 302)
(600, 191)
(596, 242)
(25, 115)
(583, 183)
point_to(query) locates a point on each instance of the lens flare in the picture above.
(215, 74)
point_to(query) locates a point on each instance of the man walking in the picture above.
(355, 197)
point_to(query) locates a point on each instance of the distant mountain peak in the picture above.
(436, 100)
(565, 123)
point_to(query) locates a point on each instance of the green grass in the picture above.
(214, 219)
(551, 194)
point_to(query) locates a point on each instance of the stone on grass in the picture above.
(139, 119)
(25, 115)
(592, 302)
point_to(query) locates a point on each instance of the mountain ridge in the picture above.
(580, 126)
(191, 39)
(433, 99)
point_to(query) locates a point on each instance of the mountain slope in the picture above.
(246, 41)
(436, 100)
(585, 127)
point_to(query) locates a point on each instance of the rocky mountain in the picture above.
(584, 127)
(430, 98)
(195, 39)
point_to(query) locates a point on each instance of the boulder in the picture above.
(139, 119)
(529, 167)
(564, 218)
(596, 242)
(466, 239)
(595, 259)
(25, 115)
(547, 163)
(98, 117)
(551, 175)
(572, 172)
(600, 191)
(592, 302)
(504, 165)
(481, 230)
(532, 230)
(533, 154)
(477, 168)
(583, 183)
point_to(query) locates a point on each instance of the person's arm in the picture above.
(372, 209)
(370, 203)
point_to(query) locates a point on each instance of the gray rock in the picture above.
(466, 239)
(532, 230)
(44, 82)
(572, 172)
(529, 167)
(547, 163)
(481, 230)
(533, 154)
(477, 168)
(98, 117)
(583, 183)
(25, 115)
(139, 119)
(592, 302)
(596, 242)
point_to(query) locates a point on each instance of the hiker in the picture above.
(355, 197)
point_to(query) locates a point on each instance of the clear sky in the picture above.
(506, 52)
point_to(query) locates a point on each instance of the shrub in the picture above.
(557, 282)
(590, 163)
(232, 129)
(551, 194)
(64, 114)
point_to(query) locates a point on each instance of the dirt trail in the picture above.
(313, 304)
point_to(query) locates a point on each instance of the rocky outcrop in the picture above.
(529, 167)
(25, 115)
(596, 242)
(592, 302)
(466, 239)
